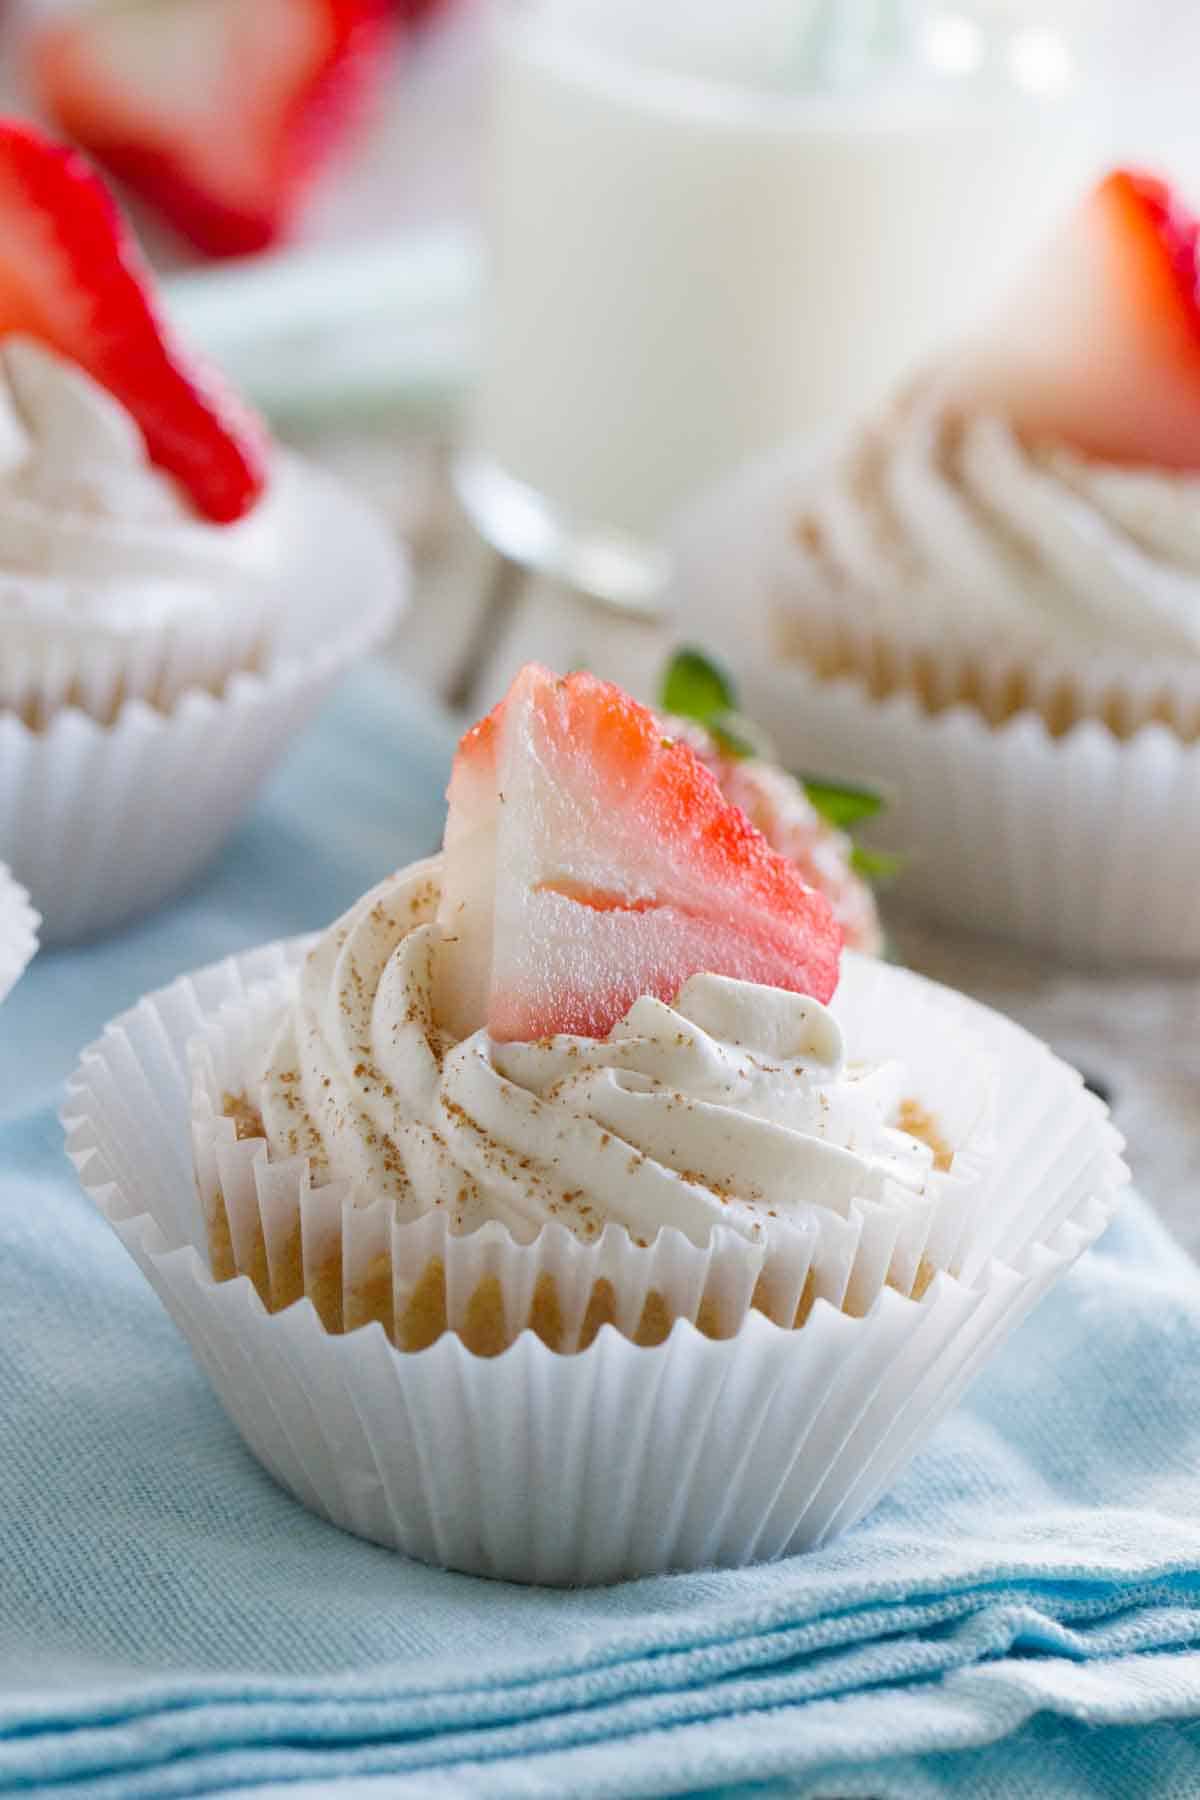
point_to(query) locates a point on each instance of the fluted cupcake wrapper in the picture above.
(1075, 837)
(102, 822)
(98, 672)
(18, 931)
(356, 1261)
(1085, 845)
(175, 628)
(620, 1459)
(997, 671)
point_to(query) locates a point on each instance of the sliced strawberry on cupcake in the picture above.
(71, 276)
(218, 112)
(1099, 347)
(590, 859)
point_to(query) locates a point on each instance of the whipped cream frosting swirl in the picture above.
(95, 539)
(947, 517)
(735, 1106)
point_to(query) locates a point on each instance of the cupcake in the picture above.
(18, 932)
(989, 595)
(111, 587)
(172, 586)
(574, 1207)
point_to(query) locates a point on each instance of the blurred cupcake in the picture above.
(570, 1152)
(18, 932)
(990, 595)
(112, 586)
(172, 588)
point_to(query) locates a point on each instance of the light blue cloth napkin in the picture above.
(1020, 1617)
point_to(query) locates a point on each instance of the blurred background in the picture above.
(533, 275)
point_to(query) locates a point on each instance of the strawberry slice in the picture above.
(589, 859)
(218, 112)
(71, 275)
(1099, 347)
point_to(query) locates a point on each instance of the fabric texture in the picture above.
(1020, 1617)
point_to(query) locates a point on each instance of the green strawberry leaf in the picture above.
(875, 865)
(841, 805)
(694, 687)
(730, 740)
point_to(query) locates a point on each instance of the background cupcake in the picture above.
(18, 931)
(990, 596)
(552, 1146)
(113, 586)
(175, 592)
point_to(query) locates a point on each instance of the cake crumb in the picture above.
(247, 1119)
(918, 1123)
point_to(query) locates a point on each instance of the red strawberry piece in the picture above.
(590, 859)
(415, 12)
(71, 275)
(218, 112)
(1099, 348)
(778, 805)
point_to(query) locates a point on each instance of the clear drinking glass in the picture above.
(713, 227)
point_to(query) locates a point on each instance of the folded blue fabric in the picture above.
(1020, 1617)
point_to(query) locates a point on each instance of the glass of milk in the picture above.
(714, 226)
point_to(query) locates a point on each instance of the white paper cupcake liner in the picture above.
(355, 1261)
(1084, 843)
(192, 605)
(103, 822)
(621, 1459)
(887, 649)
(100, 672)
(18, 932)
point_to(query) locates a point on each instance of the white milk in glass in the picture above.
(687, 270)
